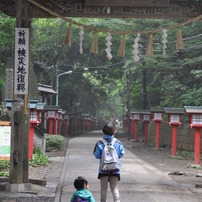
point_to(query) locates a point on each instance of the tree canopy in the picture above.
(98, 85)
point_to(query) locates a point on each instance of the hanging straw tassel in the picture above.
(179, 43)
(121, 51)
(149, 51)
(94, 45)
(68, 36)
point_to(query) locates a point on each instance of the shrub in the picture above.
(54, 142)
(4, 166)
(4, 173)
(38, 158)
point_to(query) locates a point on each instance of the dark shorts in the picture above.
(103, 175)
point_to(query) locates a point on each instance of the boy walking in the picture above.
(113, 177)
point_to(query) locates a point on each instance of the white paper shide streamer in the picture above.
(108, 44)
(81, 40)
(164, 41)
(136, 46)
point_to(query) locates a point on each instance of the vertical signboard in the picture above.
(21, 61)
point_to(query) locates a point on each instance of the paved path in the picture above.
(139, 180)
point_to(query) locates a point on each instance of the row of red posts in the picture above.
(74, 122)
(174, 120)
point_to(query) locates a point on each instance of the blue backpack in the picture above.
(79, 199)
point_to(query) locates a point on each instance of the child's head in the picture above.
(108, 129)
(80, 183)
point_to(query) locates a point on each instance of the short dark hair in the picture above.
(79, 182)
(108, 129)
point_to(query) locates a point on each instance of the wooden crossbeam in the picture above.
(176, 9)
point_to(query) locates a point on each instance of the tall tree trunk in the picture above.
(128, 102)
(144, 93)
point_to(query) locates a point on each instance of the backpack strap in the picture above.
(113, 141)
(105, 142)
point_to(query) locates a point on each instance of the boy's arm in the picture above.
(97, 151)
(92, 199)
(72, 198)
(122, 151)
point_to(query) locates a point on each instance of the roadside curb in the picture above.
(62, 177)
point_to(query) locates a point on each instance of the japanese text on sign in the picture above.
(21, 60)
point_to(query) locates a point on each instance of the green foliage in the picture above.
(54, 142)
(5, 114)
(7, 26)
(186, 154)
(177, 157)
(4, 173)
(97, 84)
(4, 164)
(182, 155)
(38, 158)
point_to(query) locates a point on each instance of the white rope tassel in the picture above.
(81, 40)
(136, 46)
(108, 44)
(164, 41)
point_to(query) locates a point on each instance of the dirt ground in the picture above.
(52, 171)
(180, 170)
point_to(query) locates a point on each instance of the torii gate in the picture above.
(25, 10)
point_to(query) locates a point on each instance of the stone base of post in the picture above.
(18, 187)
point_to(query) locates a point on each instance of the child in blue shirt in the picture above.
(112, 179)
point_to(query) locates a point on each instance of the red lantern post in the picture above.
(136, 118)
(157, 118)
(174, 121)
(195, 114)
(60, 118)
(146, 120)
(78, 118)
(55, 122)
(124, 123)
(131, 127)
(85, 121)
(89, 123)
(66, 118)
(51, 117)
(33, 121)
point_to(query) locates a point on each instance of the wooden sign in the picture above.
(21, 61)
(129, 3)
